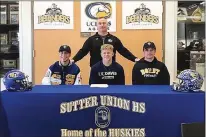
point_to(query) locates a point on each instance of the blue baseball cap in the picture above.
(149, 44)
(65, 48)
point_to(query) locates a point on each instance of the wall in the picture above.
(171, 38)
(47, 42)
(26, 37)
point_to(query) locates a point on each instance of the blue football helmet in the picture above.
(16, 80)
(189, 80)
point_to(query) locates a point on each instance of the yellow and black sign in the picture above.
(54, 14)
(142, 14)
(98, 10)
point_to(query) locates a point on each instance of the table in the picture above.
(55, 111)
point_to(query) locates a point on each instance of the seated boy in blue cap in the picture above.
(63, 72)
(148, 70)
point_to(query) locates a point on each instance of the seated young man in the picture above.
(150, 71)
(107, 71)
(63, 72)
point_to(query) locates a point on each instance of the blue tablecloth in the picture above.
(153, 111)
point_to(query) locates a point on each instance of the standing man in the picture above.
(150, 71)
(63, 72)
(107, 71)
(94, 43)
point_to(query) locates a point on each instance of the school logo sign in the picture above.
(102, 117)
(91, 11)
(53, 15)
(142, 15)
(98, 10)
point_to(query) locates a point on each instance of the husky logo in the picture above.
(98, 9)
(193, 75)
(53, 14)
(102, 117)
(13, 75)
(142, 14)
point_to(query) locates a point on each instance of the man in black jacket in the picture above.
(107, 71)
(150, 71)
(94, 43)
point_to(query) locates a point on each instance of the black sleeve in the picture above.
(121, 77)
(124, 51)
(137, 78)
(164, 76)
(83, 51)
(93, 79)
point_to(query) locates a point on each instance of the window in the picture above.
(191, 36)
(9, 28)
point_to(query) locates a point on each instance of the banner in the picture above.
(53, 15)
(91, 10)
(142, 14)
(85, 111)
(103, 114)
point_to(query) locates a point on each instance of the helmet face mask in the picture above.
(189, 80)
(16, 80)
(178, 85)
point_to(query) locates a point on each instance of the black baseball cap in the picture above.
(65, 48)
(149, 44)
